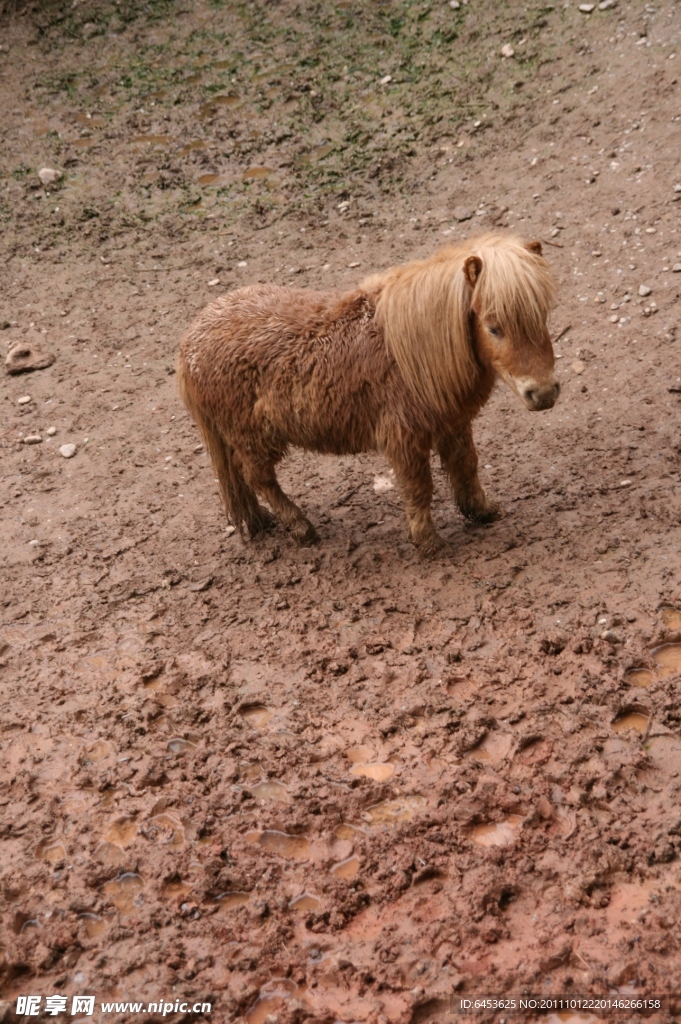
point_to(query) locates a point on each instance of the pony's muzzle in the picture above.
(541, 396)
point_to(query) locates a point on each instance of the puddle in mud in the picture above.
(254, 173)
(377, 772)
(210, 109)
(667, 659)
(208, 179)
(74, 803)
(347, 868)
(390, 812)
(165, 829)
(500, 833)
(671, 616)
(269, 791)
(636, 720)
(151, 140)
(110, 855)
(318, 153)
(305, 902)
(494, 747)
(229, 900)
(196, 144)
(178, 745)
(271, 998)
(121, 832)
(639, 677)
(51, 853)
(351, 832)
(257, 715)
(291, 847)
(360, 755)
(99, 750)
(124, 891)
(94, 925)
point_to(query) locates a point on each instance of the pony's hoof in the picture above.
(434, 546)
(488, 513)
(305, 533)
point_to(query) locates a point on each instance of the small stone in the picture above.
(242, 263)
(89, 30)
(611, 636)
(605, 5)
(454, 4)
(644, 290)
(24, 400)
(230, 530)
(578, 366)
(216, 280)
(51, 431)
(67, 451)
(23, 358)
(34, 543)
(586, 8)
(460, 213)
(676, 269)
(32, 439)
(48, 176)
(596, 252)
(386, 79)
(614, 318)
(354, 264)
(507, 50)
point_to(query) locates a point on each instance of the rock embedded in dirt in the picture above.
(67, 451)
(23, 400)
(605, 5)
(460, 213)
(644, 289)
(32, 439)
(24, 358)
(507, 50)
(49, 176)
(676, 269)
(578, 366)
(51, 431)
(586, 8)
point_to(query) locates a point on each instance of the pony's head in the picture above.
(511, 294)
(471, 311)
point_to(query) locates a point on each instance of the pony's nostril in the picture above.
(529, 395)
(556, 389)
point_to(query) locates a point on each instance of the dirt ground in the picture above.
(339, 783)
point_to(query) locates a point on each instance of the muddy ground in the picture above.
(340, 783)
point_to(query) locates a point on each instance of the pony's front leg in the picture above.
(412, 471)
(460, 462)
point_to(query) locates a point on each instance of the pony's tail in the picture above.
(240, 501)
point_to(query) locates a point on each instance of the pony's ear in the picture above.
(534, 247)
(472, 268)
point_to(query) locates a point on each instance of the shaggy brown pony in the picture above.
(401, 364)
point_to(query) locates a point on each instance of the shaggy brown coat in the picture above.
(401, 364)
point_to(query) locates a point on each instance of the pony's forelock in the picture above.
(424, 309)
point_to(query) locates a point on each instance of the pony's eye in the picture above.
(494, 331)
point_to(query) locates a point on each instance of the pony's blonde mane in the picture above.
(424, 310)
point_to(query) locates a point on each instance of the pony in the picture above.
(402, 364)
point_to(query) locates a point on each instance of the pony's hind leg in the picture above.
(263, 479)
(460, 463)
